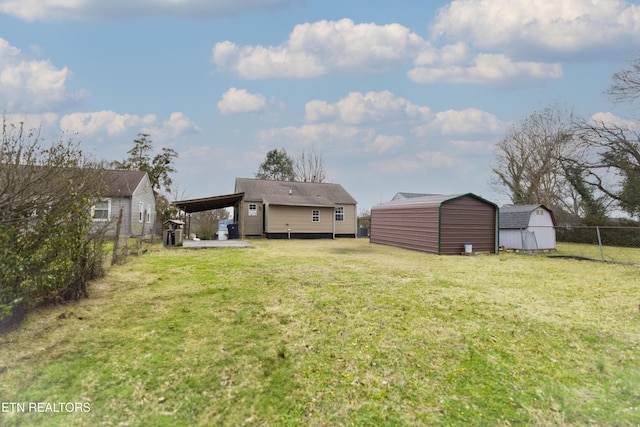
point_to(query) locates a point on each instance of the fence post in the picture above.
(600, 243)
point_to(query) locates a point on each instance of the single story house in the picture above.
(290, 209)
(129, 192)
(527, 227)
(283, 209)
(439, 224)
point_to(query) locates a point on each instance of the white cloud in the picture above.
(98, 10)
(462, 122)
(384, 143)
(395, 166)
(236, 101)
(560, 26)
(176, 126)
(357, 108)
(319, 135)
(420, 161)
(486, 68)
(315, 49)
(113, 124)
(610, 119)
(32, 85)
(44, 121)
(436, 159)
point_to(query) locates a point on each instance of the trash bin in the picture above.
(233, 231)
(172, 236)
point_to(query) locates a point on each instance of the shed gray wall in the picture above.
(467, 220)
(410, 227)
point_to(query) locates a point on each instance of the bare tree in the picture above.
(49, 248)
(529, 160)
(613, 166)
(613, 163)
(309, 167)
(625, 86)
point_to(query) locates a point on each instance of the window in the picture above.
(340, 213)
(315, 216)
(148, 214)
(140, 211)
(101, 211)
(539, 212)
(253, 209)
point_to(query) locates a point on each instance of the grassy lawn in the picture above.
(315, 333)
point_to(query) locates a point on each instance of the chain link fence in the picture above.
(604, 243)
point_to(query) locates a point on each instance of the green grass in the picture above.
(324, 333)
(611, 253)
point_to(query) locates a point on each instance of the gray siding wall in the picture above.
(467, 220)
(143, 194)
(110, 226)
(409, 227)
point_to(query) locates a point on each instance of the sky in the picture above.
(401, 96)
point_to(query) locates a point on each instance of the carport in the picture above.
(207, 204)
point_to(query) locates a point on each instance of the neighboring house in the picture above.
(289, 209)
(131, 192)
(527, 227)
(439, 224)
(403, 195)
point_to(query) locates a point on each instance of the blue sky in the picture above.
(396, 96)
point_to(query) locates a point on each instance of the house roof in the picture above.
(518, 216)
(123, 183)
(294, 193)
(208, 203)
(404, 195)
(432, 200)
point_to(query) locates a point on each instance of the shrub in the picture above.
(48, 251)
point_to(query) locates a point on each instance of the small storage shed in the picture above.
(527, 228)
(439, 224)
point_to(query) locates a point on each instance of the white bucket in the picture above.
(468, 248)
(222, 235)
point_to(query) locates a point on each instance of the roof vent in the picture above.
(290, 191)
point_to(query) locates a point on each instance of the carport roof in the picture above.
(209, 203)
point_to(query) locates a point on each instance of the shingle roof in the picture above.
(122, 183)
(516, 216)
(293, 192)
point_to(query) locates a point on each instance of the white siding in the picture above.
(540, 225)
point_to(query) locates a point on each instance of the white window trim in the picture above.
(340, 212)
(253, 209)
(148, 214)
(140, 211)
(93, 212)
(315, 215)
